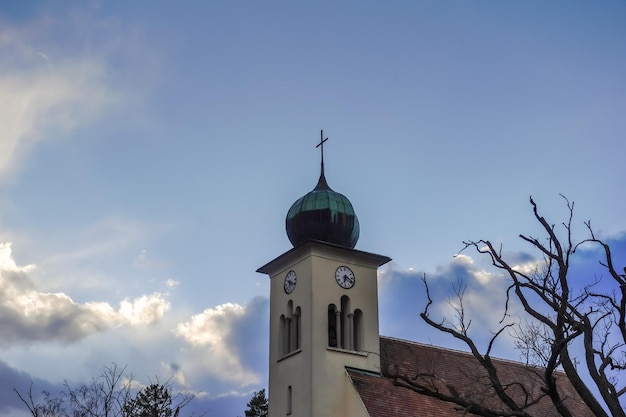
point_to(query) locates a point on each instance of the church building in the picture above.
(327, 358)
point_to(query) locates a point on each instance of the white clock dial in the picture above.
(345, 277)
(290, 282)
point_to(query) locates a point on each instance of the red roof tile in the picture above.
(451, 372)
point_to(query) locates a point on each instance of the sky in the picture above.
(149, 152)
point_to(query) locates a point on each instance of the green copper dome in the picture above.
(323, 214)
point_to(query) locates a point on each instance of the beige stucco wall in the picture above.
(316, 372)
(352, 405)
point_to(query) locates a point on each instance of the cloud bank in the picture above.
(28, 315)
(229, 342)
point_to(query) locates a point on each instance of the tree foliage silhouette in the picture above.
(258, 404)
(155, 400)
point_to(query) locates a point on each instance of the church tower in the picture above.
(323, 308)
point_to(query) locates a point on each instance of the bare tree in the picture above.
(572, 323)
(110, 394)
(48, 406)
(104, 396)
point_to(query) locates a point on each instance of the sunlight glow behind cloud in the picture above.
(29, 315)
(40, 95)
(212, 330)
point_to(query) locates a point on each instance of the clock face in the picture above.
(290, 282)
(345, 277)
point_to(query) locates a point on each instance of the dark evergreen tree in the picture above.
(257, 406)
(154, 400)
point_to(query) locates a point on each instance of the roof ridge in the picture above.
(465, 353)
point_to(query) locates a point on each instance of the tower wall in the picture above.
(308, 378)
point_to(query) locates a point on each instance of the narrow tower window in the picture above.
(289, 331)
(289, 328)
(282, 346)
(289, 399)
(296, 329)
(333, 325)
(358, 330)
(346, 323)
(345, 327)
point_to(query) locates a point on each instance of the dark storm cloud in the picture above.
(250, 335)
(593, 254)
(11, 378)
(229, 344)
(402, 298)
(402, 294)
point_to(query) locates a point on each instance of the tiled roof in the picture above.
(451, 372)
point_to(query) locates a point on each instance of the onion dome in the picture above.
(323, 214)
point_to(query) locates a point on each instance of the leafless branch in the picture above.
(563, 312)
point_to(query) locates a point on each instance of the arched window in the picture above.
(289, 331)
(282, 346)
(358, 330)
(345, 327)
(333, 325)
(288, 341)
(296, 329)
(346, 323)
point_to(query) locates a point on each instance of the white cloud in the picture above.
(483, 293)
(211, 326)
(7, 263)
(28, 315)
(215, 333)
(172, 283)
(530, 266)
(464, 259)
(147, 309)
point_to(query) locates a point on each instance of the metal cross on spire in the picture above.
(322, 184)
(321, 144)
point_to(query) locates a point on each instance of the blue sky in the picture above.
(150, 151)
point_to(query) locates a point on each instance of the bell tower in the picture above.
(323, 307)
